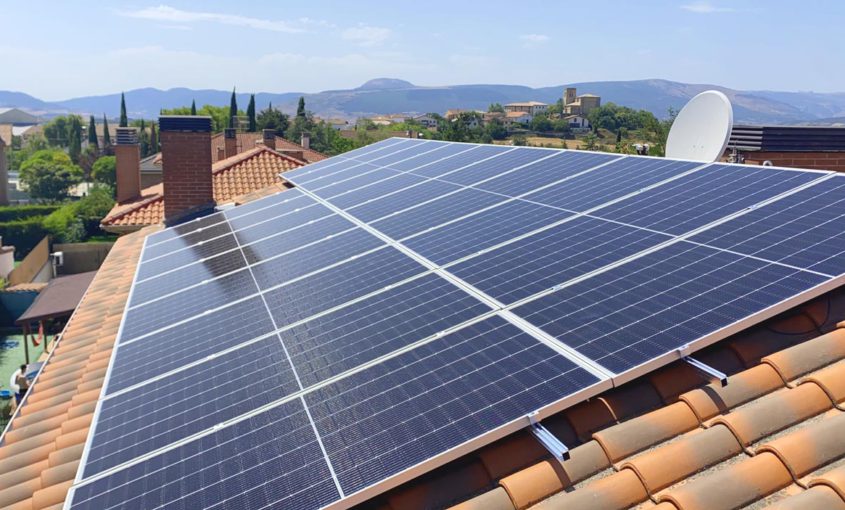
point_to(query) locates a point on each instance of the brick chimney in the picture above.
(230, 142)
(221, 153)
(186, 155)
(269, 137)
(300, 155)
(305, 141)
(127, 155)
(4, 175)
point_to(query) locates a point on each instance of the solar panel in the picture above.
(413, 300)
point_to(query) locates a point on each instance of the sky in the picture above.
(84, 48)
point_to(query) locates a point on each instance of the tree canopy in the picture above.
(92, 133)
(49, 174)
(272, 119)
(103, 171)
(124, 120)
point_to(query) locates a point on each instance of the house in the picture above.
(532, 108)
(15, 122)
(230, 178)
(815, 147)
(426, 121)
(674, 438)
(517, 117)
(473, 121)
(577, 121)
(579, 105)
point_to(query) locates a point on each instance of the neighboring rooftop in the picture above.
(787, 139)
(248, 141)
(59, 298)
(245, 173)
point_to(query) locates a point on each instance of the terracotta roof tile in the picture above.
(442, 489)
(533, 483)
(713, 399)
(835, 479)
(584, 461)
(502, 459)
(811, 355)
(810, 448)
(734, 486)
(242, 174)
(692, 453)
(816, 498)
(617, 491)
(776, 412)
(496, 499)
(247, 141)
(832, 380)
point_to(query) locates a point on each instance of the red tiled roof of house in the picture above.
(242, 174)
(247, 141)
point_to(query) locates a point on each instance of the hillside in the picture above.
(389, 95)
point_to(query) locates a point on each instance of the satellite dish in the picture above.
(702, 128)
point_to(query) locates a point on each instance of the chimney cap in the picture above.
(230, 133)
(189, 123)
(127, 136)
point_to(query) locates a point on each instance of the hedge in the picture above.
(19, 212)
(23, 234)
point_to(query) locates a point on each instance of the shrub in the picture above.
(24, 234)
(19, 212)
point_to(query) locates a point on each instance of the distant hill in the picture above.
(390, 95)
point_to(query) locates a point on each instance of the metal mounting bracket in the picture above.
(707, 370)
(547, 439)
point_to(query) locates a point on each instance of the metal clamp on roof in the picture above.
(547, 439)
(707, 370)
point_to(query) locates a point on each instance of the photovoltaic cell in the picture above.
(185, 228)
(185, 256)
(353, 182)
(188, 303)
(498, 165)
(181, 344)
(436, 212)
(311, 231)
(547, 171)
(342, 170)
(406, 148)
(186, 276)
(804, 229)
(411, 408)
(292, 213)
(442, 152)
(194, 241)
(279, 200)
(331, 344)
(379, 207)
(420, 148)
(463, 159)
(704, 196)
(483, 230)
(376, 190)
(536, 263)
(326, 289)
(270, 460)
(192, 400)
(660, 302)
(316, 256)
(336, 182)
(609, 182)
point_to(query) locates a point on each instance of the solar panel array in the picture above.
(412, 300)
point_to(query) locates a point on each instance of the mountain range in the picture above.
(390, 95)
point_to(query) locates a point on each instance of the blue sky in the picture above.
(85, 48)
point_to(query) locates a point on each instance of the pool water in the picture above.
(12, 356)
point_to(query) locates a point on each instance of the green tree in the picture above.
(106, 135)
(541, 123)
(619, 136)
(496, 108)
(520, 140)
(233, 110)
(250, 113)
(300, 108)
(193, 107)
(56, 131)
(591, 142)
(496, 129)
(219, 115)
(154, 147)
(272, 119)
(75, 138)
(143, 139)
(49, 174)
(124, 120)
(103, 171)
(92, 133)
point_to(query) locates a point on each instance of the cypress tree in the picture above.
(233, 110)
(106, 135)
(300, 108)
(250, 113)
(92, 133)
(124, 120)
(193, 107)
(144, 140)
(153, 138)
(74, 138)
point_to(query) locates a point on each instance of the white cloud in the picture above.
(704, 7)
(365, 35)
(534, 39)
(169, 14)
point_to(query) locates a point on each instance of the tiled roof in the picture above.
(247, 141)
(234, 177)
(672, 441)
(41, 450)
